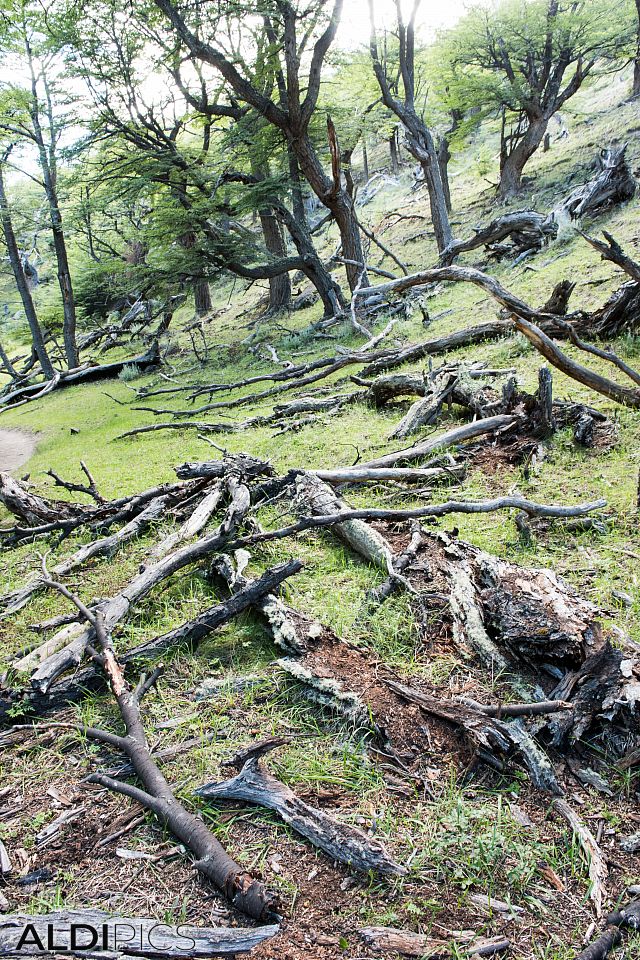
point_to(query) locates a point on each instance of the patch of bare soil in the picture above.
(16, 448)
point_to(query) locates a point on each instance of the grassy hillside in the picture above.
(461, 838)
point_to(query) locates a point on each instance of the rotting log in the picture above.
(339, 841)
(93, 933)
(606, 683)
(315, 497)
(28, 506)
(526, 229)
(488, 734)
(614, 183)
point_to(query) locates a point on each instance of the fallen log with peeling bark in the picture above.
(93, 933)
(316, 498)
(339, 841)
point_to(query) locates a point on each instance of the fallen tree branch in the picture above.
(598, 872)
(525, 321)
(72, 688)
(247, 894)
(339, 841)
(626, 918)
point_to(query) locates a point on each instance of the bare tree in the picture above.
(419, 138)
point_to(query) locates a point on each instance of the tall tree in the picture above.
(35, 117)
(419, 138)
(15, 261)
(291, 112)
(635, 92)
(527, 58)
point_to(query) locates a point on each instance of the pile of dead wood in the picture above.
(543, 327)
(574, 693)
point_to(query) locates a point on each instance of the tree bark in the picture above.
(280, 286)
(365, 158)
(393, 152)
(202, 298)
(37, 336)
(515, 161)
(635, 92)
(338, 201)
(444, 155)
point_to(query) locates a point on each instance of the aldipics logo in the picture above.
(33, 935)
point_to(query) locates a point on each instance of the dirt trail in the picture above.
(15, 448)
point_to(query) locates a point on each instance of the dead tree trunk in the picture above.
(613, 184)
(393, 152)
(37, 336)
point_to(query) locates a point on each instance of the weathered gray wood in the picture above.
(71, 689)
(526, 229)
(315, 497)
(613, 184)
(104, 547)
(122, 936)
(5, 861)
(28, 506)
(360, 474)
(117, 608)
(470, 431)
(598, 870)
(339, 841)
